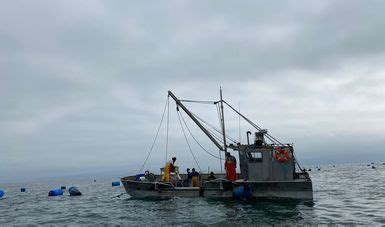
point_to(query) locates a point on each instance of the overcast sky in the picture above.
(83, 83)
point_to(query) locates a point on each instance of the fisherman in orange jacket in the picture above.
(230, 166)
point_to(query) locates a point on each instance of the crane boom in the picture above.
(179, 103)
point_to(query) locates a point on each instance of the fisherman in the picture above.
(230, 165)
(194, 178)
(188, 179)
(168, 169)
(149, 176)
(172, 165)
(211, 177)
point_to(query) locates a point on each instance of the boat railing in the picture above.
(216, 180)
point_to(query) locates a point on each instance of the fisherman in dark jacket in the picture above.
(194, 178)
(211, 177)
(188, 179)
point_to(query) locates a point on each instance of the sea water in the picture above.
(344, 194)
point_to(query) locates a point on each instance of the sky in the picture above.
(83, 84)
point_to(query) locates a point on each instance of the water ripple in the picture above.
(345, 194)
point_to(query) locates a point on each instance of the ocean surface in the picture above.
(343, 194)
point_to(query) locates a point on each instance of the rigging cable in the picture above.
(168, 120)
(219, 113)
(296, 161)
(212, 133)
(224, 145)
(196, 139)
(274, 140)
(239, 123)
(214, 128)
(208, 124)
(188, 144)
(156, 136)
(196, 101)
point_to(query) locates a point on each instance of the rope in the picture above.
(219, 114)
(196, 139)
(156, 136)
(216, 129)
(210, 125)
(296, 161)
(188, 144)
(216, 136)
(212, 133)
(274, 140)
(224, 145)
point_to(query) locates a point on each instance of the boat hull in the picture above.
(295, 189)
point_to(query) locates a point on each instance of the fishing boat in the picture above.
(268, 168)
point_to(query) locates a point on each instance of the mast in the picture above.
(179, 103)
(223, 129)
(223, 122)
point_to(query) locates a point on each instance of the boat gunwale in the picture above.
(219, 180)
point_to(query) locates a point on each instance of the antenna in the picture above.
(239, 123)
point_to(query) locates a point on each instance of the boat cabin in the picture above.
(265, 162)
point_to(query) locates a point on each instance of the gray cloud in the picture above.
(82, 85)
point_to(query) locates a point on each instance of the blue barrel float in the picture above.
(22, 189)
(115, 183)
(242, 192)
(55, 192)
(1, 193)
(74, 191)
